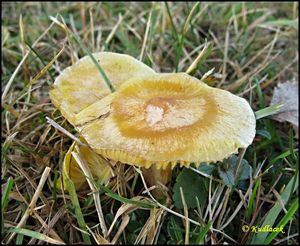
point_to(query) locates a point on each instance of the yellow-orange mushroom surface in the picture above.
(81, 84)
(164, 119)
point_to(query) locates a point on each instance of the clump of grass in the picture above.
(251, 46)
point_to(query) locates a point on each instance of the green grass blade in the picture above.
(275, 211)
(74, 199)
(5, 195)
(128, 44)
(115, 196)
(251, 200)
(100, 69)
(77, 39)
(279, 157)
(286, 218)
(34, 234)
(19, 239)
(4, 200)
(175, 232)
(178, 45)
(283, 22)
(40, 58)
(262, 113)
(203, 233)
(174, 31)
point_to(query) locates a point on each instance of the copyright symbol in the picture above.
(245, 228)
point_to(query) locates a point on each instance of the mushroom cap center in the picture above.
(157, 108)
(165, 112)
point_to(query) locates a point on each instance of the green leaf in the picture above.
(229, 177)
(208, 169)
(192, 185)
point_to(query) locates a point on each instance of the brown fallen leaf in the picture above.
(287, 94)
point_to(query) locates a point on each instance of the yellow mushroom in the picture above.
(152, 120)
(165, 119)
(71, 170)
(81, 84)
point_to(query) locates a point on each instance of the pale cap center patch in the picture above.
(163, 113)
(154, 114)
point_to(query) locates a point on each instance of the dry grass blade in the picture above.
(21, 24)
(186, 214)
(36, 235)
(187, 21)
(155, 229)
(160, 205)
(9, 83)
(52, 222)
(34, 199)
(146, 35)
(239, 206)
(125, 221)
(92, 29)
(45, 69)
(206, 175)
(148, 232)
(113, 31)
(207, 74)
(63, 130)
(84, 167)
(193, 66)
(124, 209)
(225, 235)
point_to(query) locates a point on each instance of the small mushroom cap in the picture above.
(164, 119)
(71, 170)
(81, 84)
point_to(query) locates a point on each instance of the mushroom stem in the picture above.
(157, 177)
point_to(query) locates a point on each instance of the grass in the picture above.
(251, 46)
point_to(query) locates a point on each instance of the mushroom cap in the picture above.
(81, 84)
(164, 119)
(99, 169)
